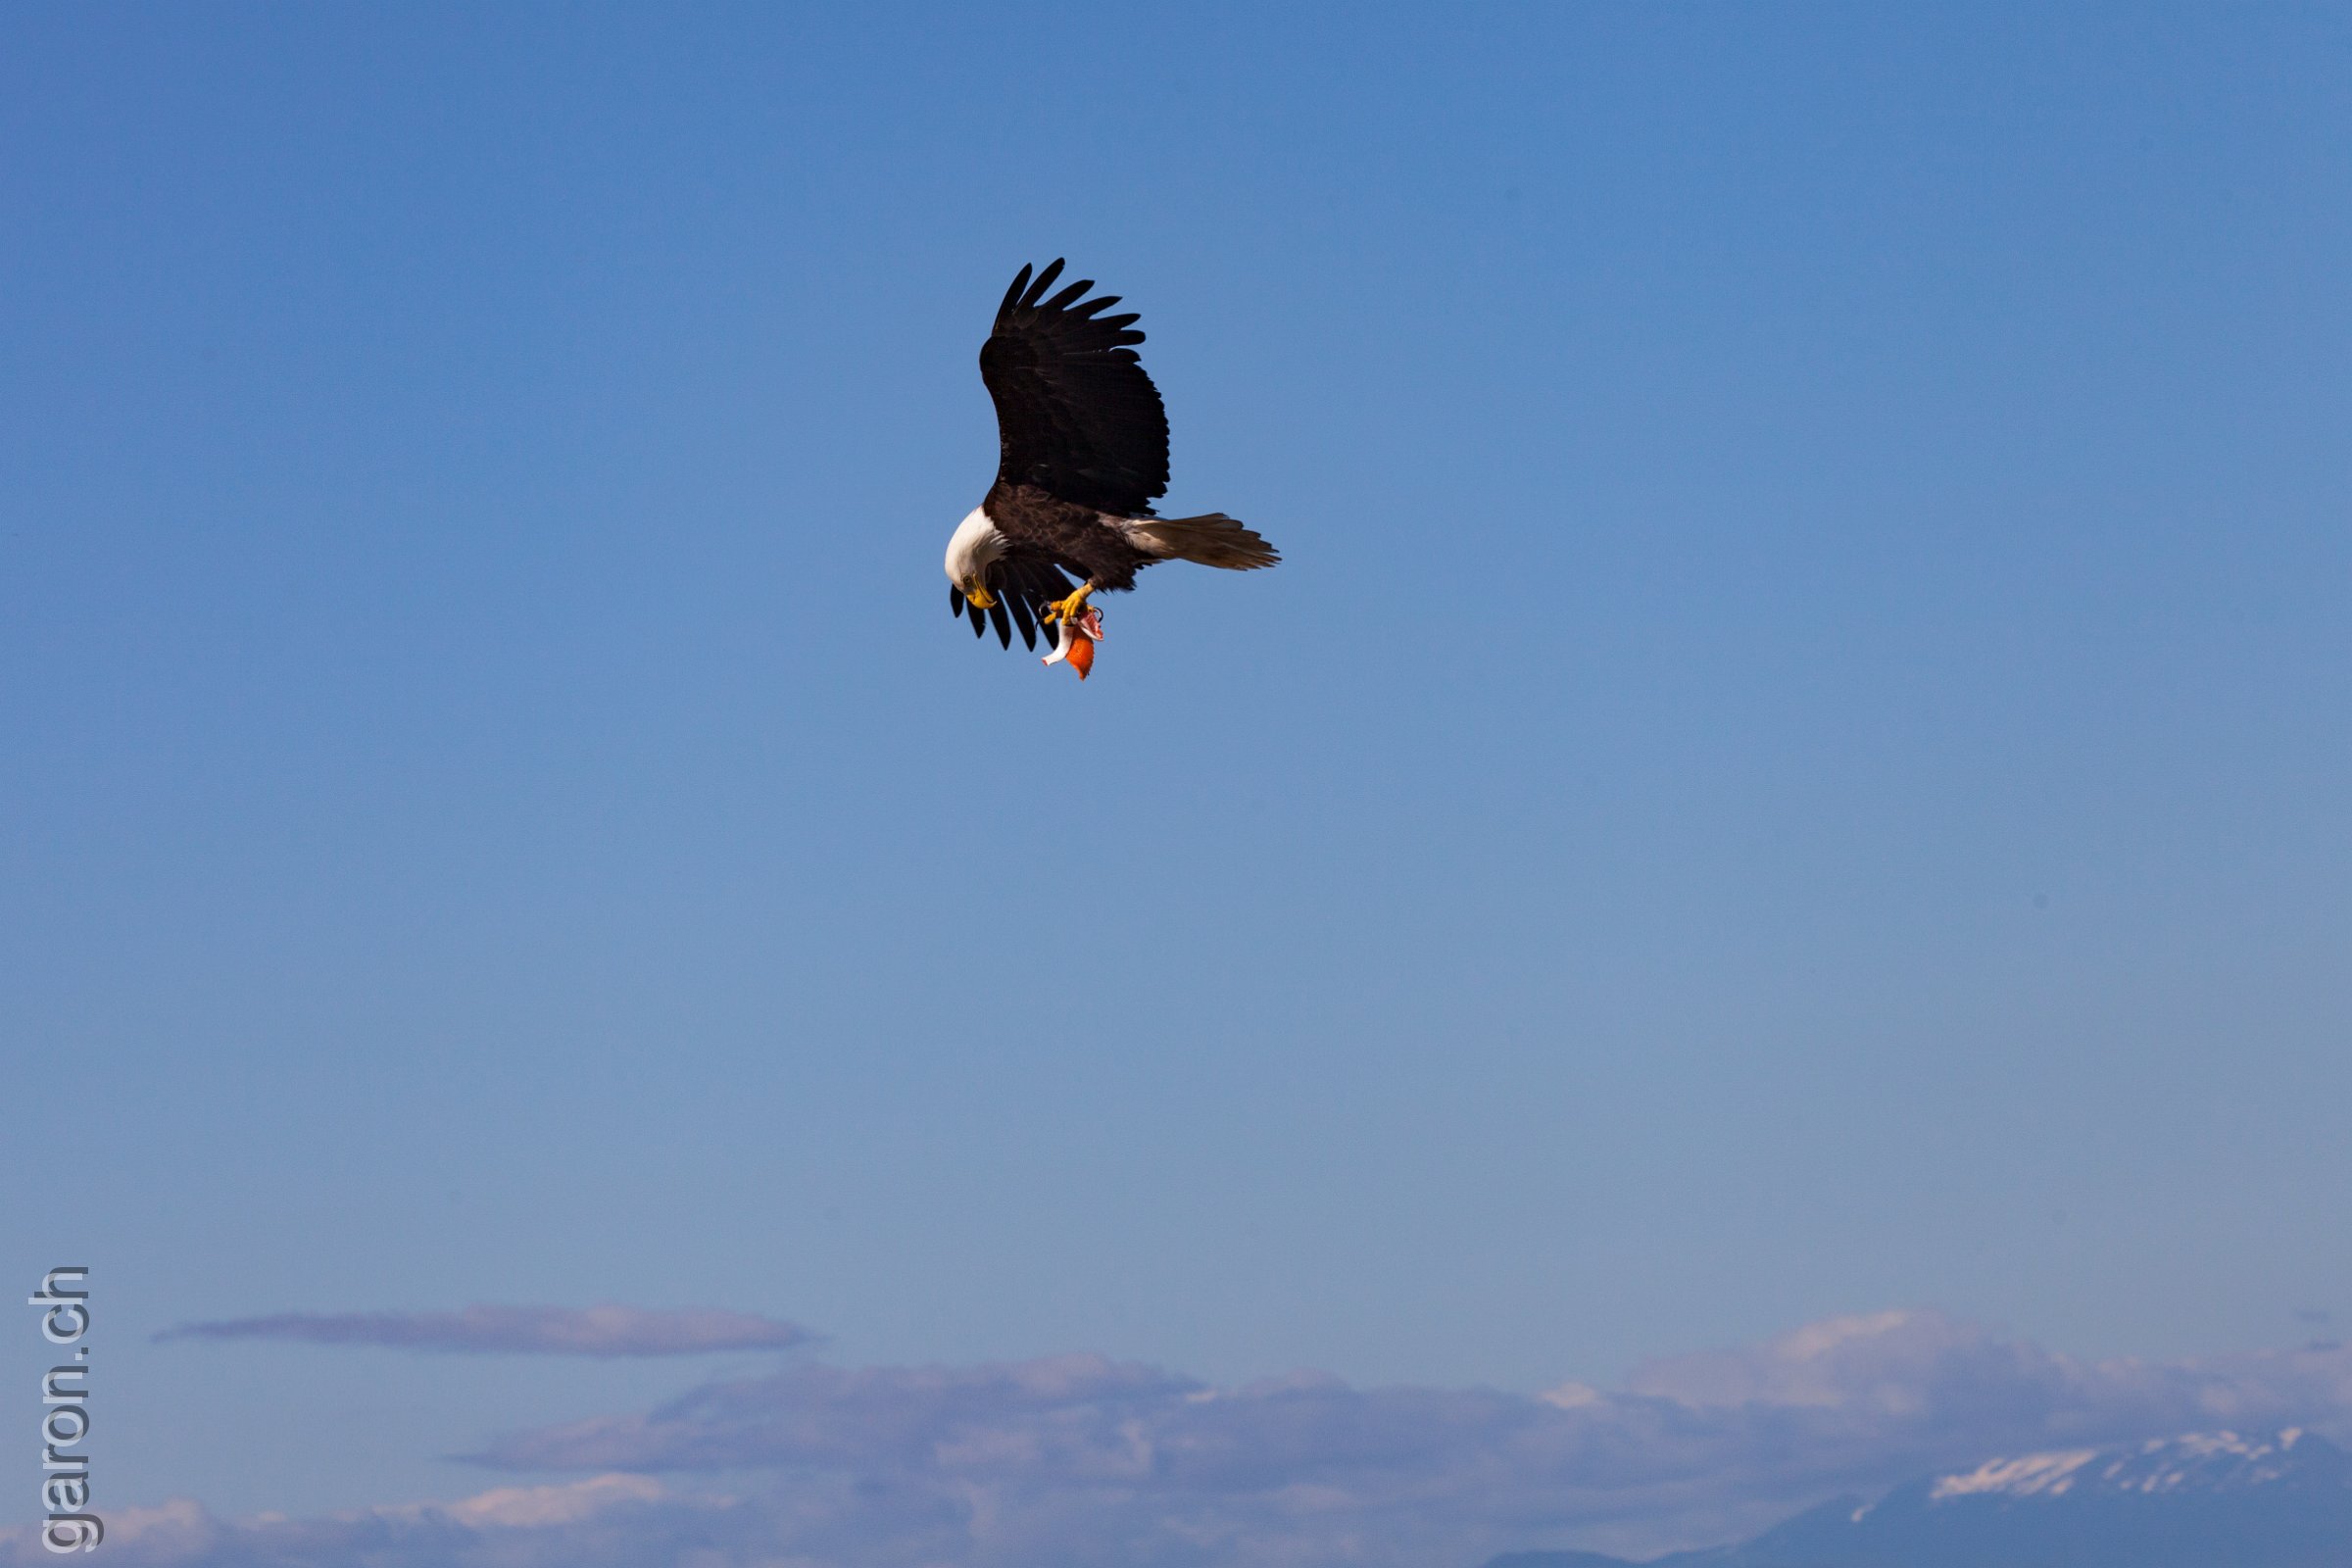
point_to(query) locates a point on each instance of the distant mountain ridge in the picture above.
(2205, 1500)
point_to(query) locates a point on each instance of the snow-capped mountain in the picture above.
(2208, 1501)
(2217, 1462)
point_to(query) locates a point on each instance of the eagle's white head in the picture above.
(975, 546)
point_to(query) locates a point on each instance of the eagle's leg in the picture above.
(1069, 609)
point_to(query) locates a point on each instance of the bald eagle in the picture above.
(1084, 445)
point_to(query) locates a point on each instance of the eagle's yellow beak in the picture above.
(977, 592)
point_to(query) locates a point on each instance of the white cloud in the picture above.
(552, 1506)
(604, 1331)
(1081, 1459)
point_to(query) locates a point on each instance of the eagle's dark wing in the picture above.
(1023, 586)
(1076, 416)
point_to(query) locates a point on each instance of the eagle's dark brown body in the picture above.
(1073, 537)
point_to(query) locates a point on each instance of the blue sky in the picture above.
(1794, 765)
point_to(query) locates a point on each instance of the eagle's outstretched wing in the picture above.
(1076, 416)
(1023, 586)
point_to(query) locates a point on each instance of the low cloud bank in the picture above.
(1081, 1459)
(609, 1331)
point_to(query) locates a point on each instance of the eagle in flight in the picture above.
(1084, 445)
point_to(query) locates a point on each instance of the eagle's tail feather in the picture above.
(1212, 539)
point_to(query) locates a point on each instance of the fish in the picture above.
(1076, 647)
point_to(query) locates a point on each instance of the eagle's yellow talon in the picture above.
(1069, 609)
